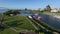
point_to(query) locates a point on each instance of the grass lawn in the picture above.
(18, 23)
(8, 31)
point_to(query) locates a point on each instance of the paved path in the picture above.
(32, 24)
(38, 25)
(18, 30)
(41, 26)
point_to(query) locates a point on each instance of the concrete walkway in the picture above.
(18, 30)
(41, 26)
(32, 24)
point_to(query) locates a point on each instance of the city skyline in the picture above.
(30, 4)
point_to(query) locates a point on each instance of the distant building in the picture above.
(47, 8)
(50, 8)
(55, 10)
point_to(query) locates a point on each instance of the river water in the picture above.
(50, 20)
(26, 13)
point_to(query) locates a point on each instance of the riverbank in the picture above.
(56, 15)
(42, 27)
(50, 20)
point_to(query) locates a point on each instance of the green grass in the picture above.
(18, 22)
(8, 31)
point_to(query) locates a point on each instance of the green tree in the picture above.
(25, 9)
(14, 12)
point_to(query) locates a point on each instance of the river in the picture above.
(50, 20)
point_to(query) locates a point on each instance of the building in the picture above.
(55, 10)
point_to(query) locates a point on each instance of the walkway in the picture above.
(32, 24)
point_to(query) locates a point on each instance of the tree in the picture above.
(14, 12)
(25, 9)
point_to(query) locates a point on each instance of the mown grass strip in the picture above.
(18, 22)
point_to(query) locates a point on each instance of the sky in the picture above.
(30, 4)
